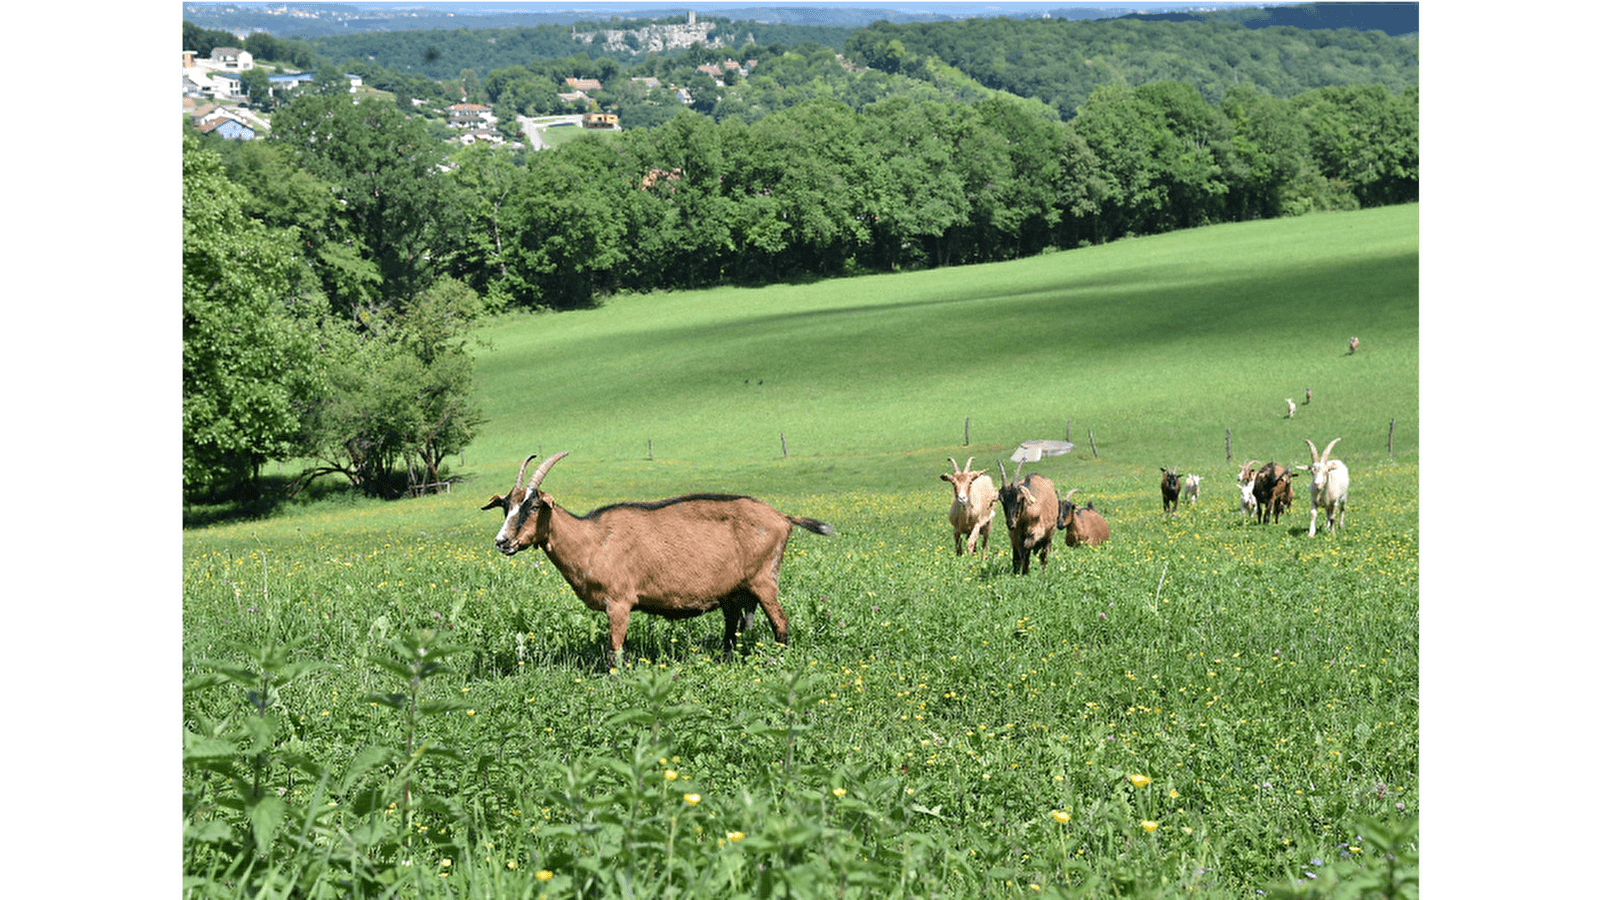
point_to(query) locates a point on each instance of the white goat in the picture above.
(972, 507)
(1291, 407)
(1330, 485)
(1247, 497)
(1191, 488)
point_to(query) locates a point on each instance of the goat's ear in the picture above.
(946, 477)
(495, 501)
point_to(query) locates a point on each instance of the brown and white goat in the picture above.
(1354, 343)
(1247, 471)
(1031, 512)
(1330, 486)
(1078, 525)
(1169, 489)
(677, 558)
(972, 508)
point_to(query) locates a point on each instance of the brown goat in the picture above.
(972, 507)
(1079, 525)
(1169, 489)
(1267, 478)
(1031, 513)
(677, 558)
(1282, 496)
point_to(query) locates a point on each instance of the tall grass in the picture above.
(1203, 706)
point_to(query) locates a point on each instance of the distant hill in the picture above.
(309, 20)
(327, 20)
(1393, 19)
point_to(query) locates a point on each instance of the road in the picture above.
(534, 126)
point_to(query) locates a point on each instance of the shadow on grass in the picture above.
(272, 495)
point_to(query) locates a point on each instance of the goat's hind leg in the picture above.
(738, 617)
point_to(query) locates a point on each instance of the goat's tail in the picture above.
(811, 525)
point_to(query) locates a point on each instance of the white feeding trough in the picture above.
(1033, 451)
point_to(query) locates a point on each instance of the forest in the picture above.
(332, 272)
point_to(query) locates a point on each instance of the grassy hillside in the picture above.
(1202, 707)
(1157, 345)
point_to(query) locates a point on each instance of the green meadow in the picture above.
(377, 704)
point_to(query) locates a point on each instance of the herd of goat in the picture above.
(685, 556)
(1035, 516)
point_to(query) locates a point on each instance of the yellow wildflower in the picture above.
(691, 799)
(544, 874)
(1139, 780)
(1061, 816)
(1148, 825)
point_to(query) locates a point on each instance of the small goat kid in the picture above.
(972, 508)
(1080, 525)
(1169, 489)
(677, 558)
(1031, 513)
(1247, 497)
(1191, 488)
(1330, 486)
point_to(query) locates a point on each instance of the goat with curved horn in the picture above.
(972, 507)
(1330, 486)
(1078, 525)
(1031, 510)
(678, 558)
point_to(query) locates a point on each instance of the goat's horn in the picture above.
(538, 474)
(968, 467)
(1314, 457)
(1005, 479)
(953, 463)
(1328, 451)
(531, 458)
(1069, 495)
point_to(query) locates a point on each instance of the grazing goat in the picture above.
(1266, 481)
(972, 508)
(1169, 489)
(676, 558)
(1079, 525)
(1308, 396)
(1354, 343)
(1330, 486)
(1247, 497)
(1291, 408)
(1031, 514)
(1191, 488)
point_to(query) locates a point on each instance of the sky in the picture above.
(952, 7)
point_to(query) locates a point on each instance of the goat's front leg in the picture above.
(618, 612)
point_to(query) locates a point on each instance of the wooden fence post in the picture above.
(1091, 444)
(650, 449)
(1228, 443)
(1391, 437)
(785, 442)
(966, 434)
